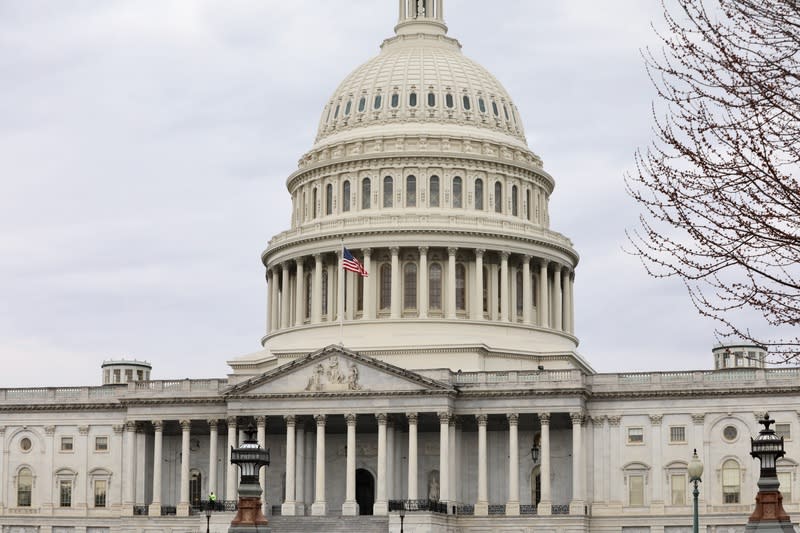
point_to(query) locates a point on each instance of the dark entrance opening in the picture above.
(365, 491)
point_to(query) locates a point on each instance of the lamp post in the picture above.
(402, 516)
(250, 457)
(208, 517)
(769, 515)
(695, 473)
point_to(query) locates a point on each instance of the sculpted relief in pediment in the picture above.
(330, 376)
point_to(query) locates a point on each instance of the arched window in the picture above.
(395, 100)
(329, 199)
(377, 103)
(346, 196)
(731, 481)
(448, 100)
(195, 486)
(528, 204)
(431, 99)
(458, 192)
(435, 287)
(481, 105)
(479, 194)
(412, 99)
(314, 203)
(386, 286)
(494, 109)
(347, 107)
(498, 197)
(410, 286)
(514, 200)
(24, 487)
(467, 104)
(411, 191)
(434, 192)
(366, 193)
(388, 191)
(324, 294)
(505, 110)
(310, 292)
(362, 104)
(485, 290)
(336, 113)
(519, 292)
(461, 287)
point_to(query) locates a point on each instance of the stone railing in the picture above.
(567, 378)
(697, 379)
(170, 387)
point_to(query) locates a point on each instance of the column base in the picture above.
(154, 509)
(512, 509)
(292, 509)
(380, 508)
(482, 509)
(319, 508)
(127, 510)
(182, 509)
(544, 508)
(350, 509)
(577, 507)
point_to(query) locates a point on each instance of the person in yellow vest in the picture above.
(212, 500)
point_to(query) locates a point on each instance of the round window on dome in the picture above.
(448, 100)
(729, 433)
(467, 104)
(395, 100)
(412, 100)
(362, 104)
(25, 444)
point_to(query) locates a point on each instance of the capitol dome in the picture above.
(421, 170)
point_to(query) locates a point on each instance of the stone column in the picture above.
(613, 491)
(350, 506)
(512, 506)
(451, 282)
(213, 441)
(316, 295)
(320, 505)
(482, 505)
(557, 299)
(451, 458)
(129, 466)
(477, 301)
(300, 468)
(657, 503)
(545, 506)
(423, 282)
(444, 447)
(698, 421)
(285, 295)
(390, 459)
(300, 294)
(413, 486)
(544, 308)
(504, 286)
(381, 506)
(567, 298)
(527, 303)
(395, 308)
(578, 503)
(369, 300)
(231, 488)
(4, 468)
(572, 303)
(158, 446)
(288, 508)
(183, 502)
(599, 460)
(274, 312)
(261, 438)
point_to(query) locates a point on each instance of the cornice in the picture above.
(695, 393)
(10, 408)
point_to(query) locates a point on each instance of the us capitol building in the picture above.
(448, 378)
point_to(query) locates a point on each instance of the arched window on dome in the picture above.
(324, 292)
(505, 110)
(347, 107)
(366, 193)
(329, 199)
(435, 287)
(336, 113)
(498, 197)
(24, 487)
(467, 103)
(395, 100)
(410, 287)
(731, 481)
(514, 200)
(494, 109)
(434, 191)
(431, 99)
(309, 293)
(458, 193)
(314, 203)
(386, 287)
(362, 104)
(519, 293)
(411, 191)
(479, 194)
(388, 191)
(481, 105)
(461, 287)
(346, 196)
(448, 100)
(528, 204)
(412, 99)
(378, 101)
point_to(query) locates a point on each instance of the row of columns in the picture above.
(554, 303)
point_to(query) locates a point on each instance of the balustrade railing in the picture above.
(527, 509)
(141, 510)
(217, 506)
(430, 506)
(560, 509)
(497, 509)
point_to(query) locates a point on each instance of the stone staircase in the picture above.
(329, 524)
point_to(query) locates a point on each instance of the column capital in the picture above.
(614, 421)
(394, 249)
(213, 423)
(423, 250)
(699, 418)
(117, 428)
(412, 417)
(231, 421)
(544, 263)
(479, 252)
(544, 419)
(444, 417)
(513, 419)
(656, 419)
(298, 261)
(452, 250)
(598, 420)
(576, 417)
(482, 419)
(366, 251)
(321, 419)
(382, 418)
(526, 258)
(130, 425)
(83, 430)
(504, 255)
(350, 419)
(291, 420)
(261, 421)
(186, 425)
(318, 258)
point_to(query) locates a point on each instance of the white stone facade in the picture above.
(449, 373)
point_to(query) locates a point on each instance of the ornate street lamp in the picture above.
(250, 457)
(695, 473)
(768, 514)
(208, 517)
(402, 516)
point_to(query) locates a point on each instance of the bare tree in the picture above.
(719, 184)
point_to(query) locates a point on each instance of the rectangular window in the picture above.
(101, 444)
(783, 430)
(636, 491)
(677, 434)
(66, 444)
(100, 487)
(677, 483)
(65, 493)
(635, 435)
(785, 479)
(128, 375)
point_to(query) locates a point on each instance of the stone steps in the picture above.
(329, 524)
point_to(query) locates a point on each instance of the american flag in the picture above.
(352, 264)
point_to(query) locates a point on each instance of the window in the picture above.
(505, 110)
(309, 294)
(388, 191)
(366, 193)
(677, 485)
(783, 430)
(395, 100)
(25, 444)
(346, 196)
(195, 487)
(101, 444)
(635, 435)
(139, 375)
(336, 113)
(528, 204)
(314, 203)
(434, 193)
(411, 191)
(100, 489)
(519, 293)
(324, 294)
(730, 433)
(128, 375)
(410, 286)
(479, 194)
(494, 109)
(731, 481)
(448, 100)
(66, 444)
(514, 201)
(347, 107)
(636, 490)
(117, 376)
(386, 286)
(65, 493)
(485, 290)
(362, 104)
(412, 99)
(677, 434)
(498, 197)
(458, 193)
(329, 199)
(461, 287)
(377, 103)
(24, 487)
(467, 104)
(481, 105)
(785, 480)
(431, 99)
(435, 287)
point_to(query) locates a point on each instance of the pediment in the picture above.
(336, 370)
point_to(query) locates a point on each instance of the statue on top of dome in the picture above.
(420, 8)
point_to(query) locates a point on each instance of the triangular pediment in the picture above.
(336, 370)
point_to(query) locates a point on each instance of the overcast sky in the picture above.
(144, 148)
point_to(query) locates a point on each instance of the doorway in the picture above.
(365, 491)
